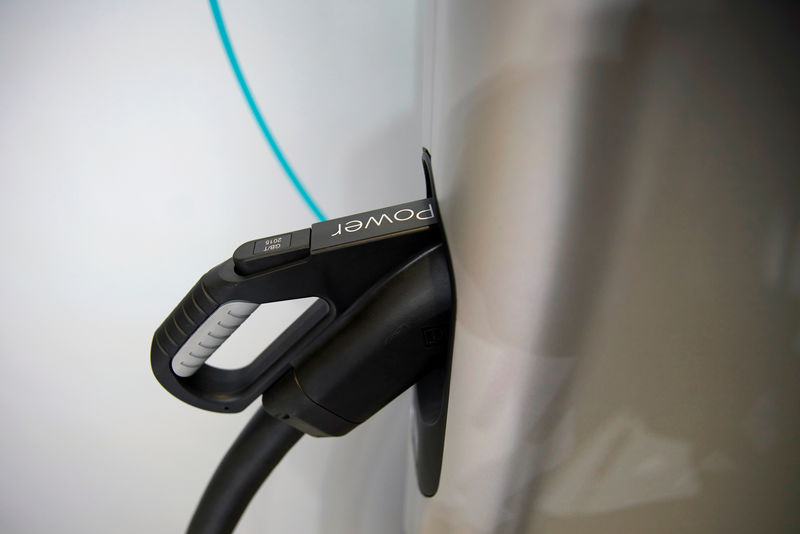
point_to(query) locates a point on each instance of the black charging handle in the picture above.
(383, 321)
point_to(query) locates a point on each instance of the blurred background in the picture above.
(129, 166)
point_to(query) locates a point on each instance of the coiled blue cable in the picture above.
(226, 43)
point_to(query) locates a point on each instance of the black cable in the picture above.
(254, 454)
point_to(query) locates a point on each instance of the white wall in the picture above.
(129, 165)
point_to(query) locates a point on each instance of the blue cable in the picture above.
(226, 42)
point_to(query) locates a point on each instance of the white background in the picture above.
(130, 165)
